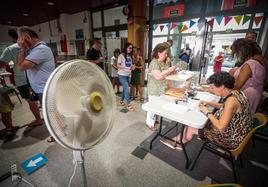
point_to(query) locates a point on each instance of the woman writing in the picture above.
(232, 121)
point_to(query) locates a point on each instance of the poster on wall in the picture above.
(173, 11)
(230, 4)
(79, 34)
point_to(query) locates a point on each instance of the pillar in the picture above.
(137, 26)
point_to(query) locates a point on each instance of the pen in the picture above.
(194, 98)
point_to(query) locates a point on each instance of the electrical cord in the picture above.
(71, 178)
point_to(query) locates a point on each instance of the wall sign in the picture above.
(173, 11)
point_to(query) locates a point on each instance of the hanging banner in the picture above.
(137, 26)
(173, 11)
(155, 26)
(63, 44)
(180, 26)
(257, 20)
(168, 25)
(227, 19)
(173, 25)
(184, 28)
(161, 27)
(219, 19)
(200, 25)
(238, 19)
(211, 22)
(246, 19)
(191, 23)
(130, 21)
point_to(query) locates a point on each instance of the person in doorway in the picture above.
(94, 54)
(37, 59)
(125, 66)
(218, 60)
(136, 75)
(10, 54)
(185, 55)
(114, 73)
(157, 84)
(232, 121)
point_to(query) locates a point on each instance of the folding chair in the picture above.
(232, 154)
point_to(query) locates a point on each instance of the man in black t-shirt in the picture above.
(94, 54)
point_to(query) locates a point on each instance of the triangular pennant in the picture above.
(168, 25)
(200, 25)
(219, 19)
(238, 19)
(130, 21)
(211, 22)
(137, 26)
(180, 26)
(161, 27)
(257, 20)
(246, 19)
(184, 28)
(173, 25)
(191, 23)
(227, 19)
(155, 26)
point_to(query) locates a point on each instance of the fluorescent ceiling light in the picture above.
(50, 3)
(25, 14)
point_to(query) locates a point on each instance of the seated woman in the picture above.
(232, 121)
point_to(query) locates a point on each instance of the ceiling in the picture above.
(33, 12)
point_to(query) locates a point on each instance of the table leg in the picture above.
(158, 133)
(183, 147)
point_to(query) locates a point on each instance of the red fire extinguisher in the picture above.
(63, 44)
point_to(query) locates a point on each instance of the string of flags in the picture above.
(182, 27)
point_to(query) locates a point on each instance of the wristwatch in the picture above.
(209, 112)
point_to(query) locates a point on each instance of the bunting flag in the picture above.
(161, 27)
(200, 25)
(227, 19)
(168, 25)
(211, 22)
(130, 21)
(219, 19)
(184, 28)
(173, 25)
(257, 20)
(191, 23)
(137, 26)
(245, 19)
(238, 19)
(180, 26)
(155, 27)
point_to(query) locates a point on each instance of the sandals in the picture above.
(35, 124)
(12, 129)
(122, 103)
(151, 128)
(51, 139)
(130, 107)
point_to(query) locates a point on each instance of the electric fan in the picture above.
(78, 107)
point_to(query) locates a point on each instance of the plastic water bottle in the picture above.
(185, 96)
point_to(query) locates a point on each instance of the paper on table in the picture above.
(206, 96)
(175, 108)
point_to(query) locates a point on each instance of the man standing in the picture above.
(94, 54)
(10, 54)
(186, 54)
(36, 58)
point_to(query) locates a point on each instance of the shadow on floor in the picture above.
(29, 136)
(212, 166)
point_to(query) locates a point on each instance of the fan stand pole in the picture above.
(78, 156)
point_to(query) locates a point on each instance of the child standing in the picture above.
(5, 110)
(114, 74)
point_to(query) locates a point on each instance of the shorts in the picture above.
(27, 93)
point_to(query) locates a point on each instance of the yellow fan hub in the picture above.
(95, 101)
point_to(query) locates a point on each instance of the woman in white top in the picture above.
(124, 64)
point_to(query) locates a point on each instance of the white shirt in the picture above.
(114, 72)
(126, 62)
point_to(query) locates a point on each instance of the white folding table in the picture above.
(182, 113)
